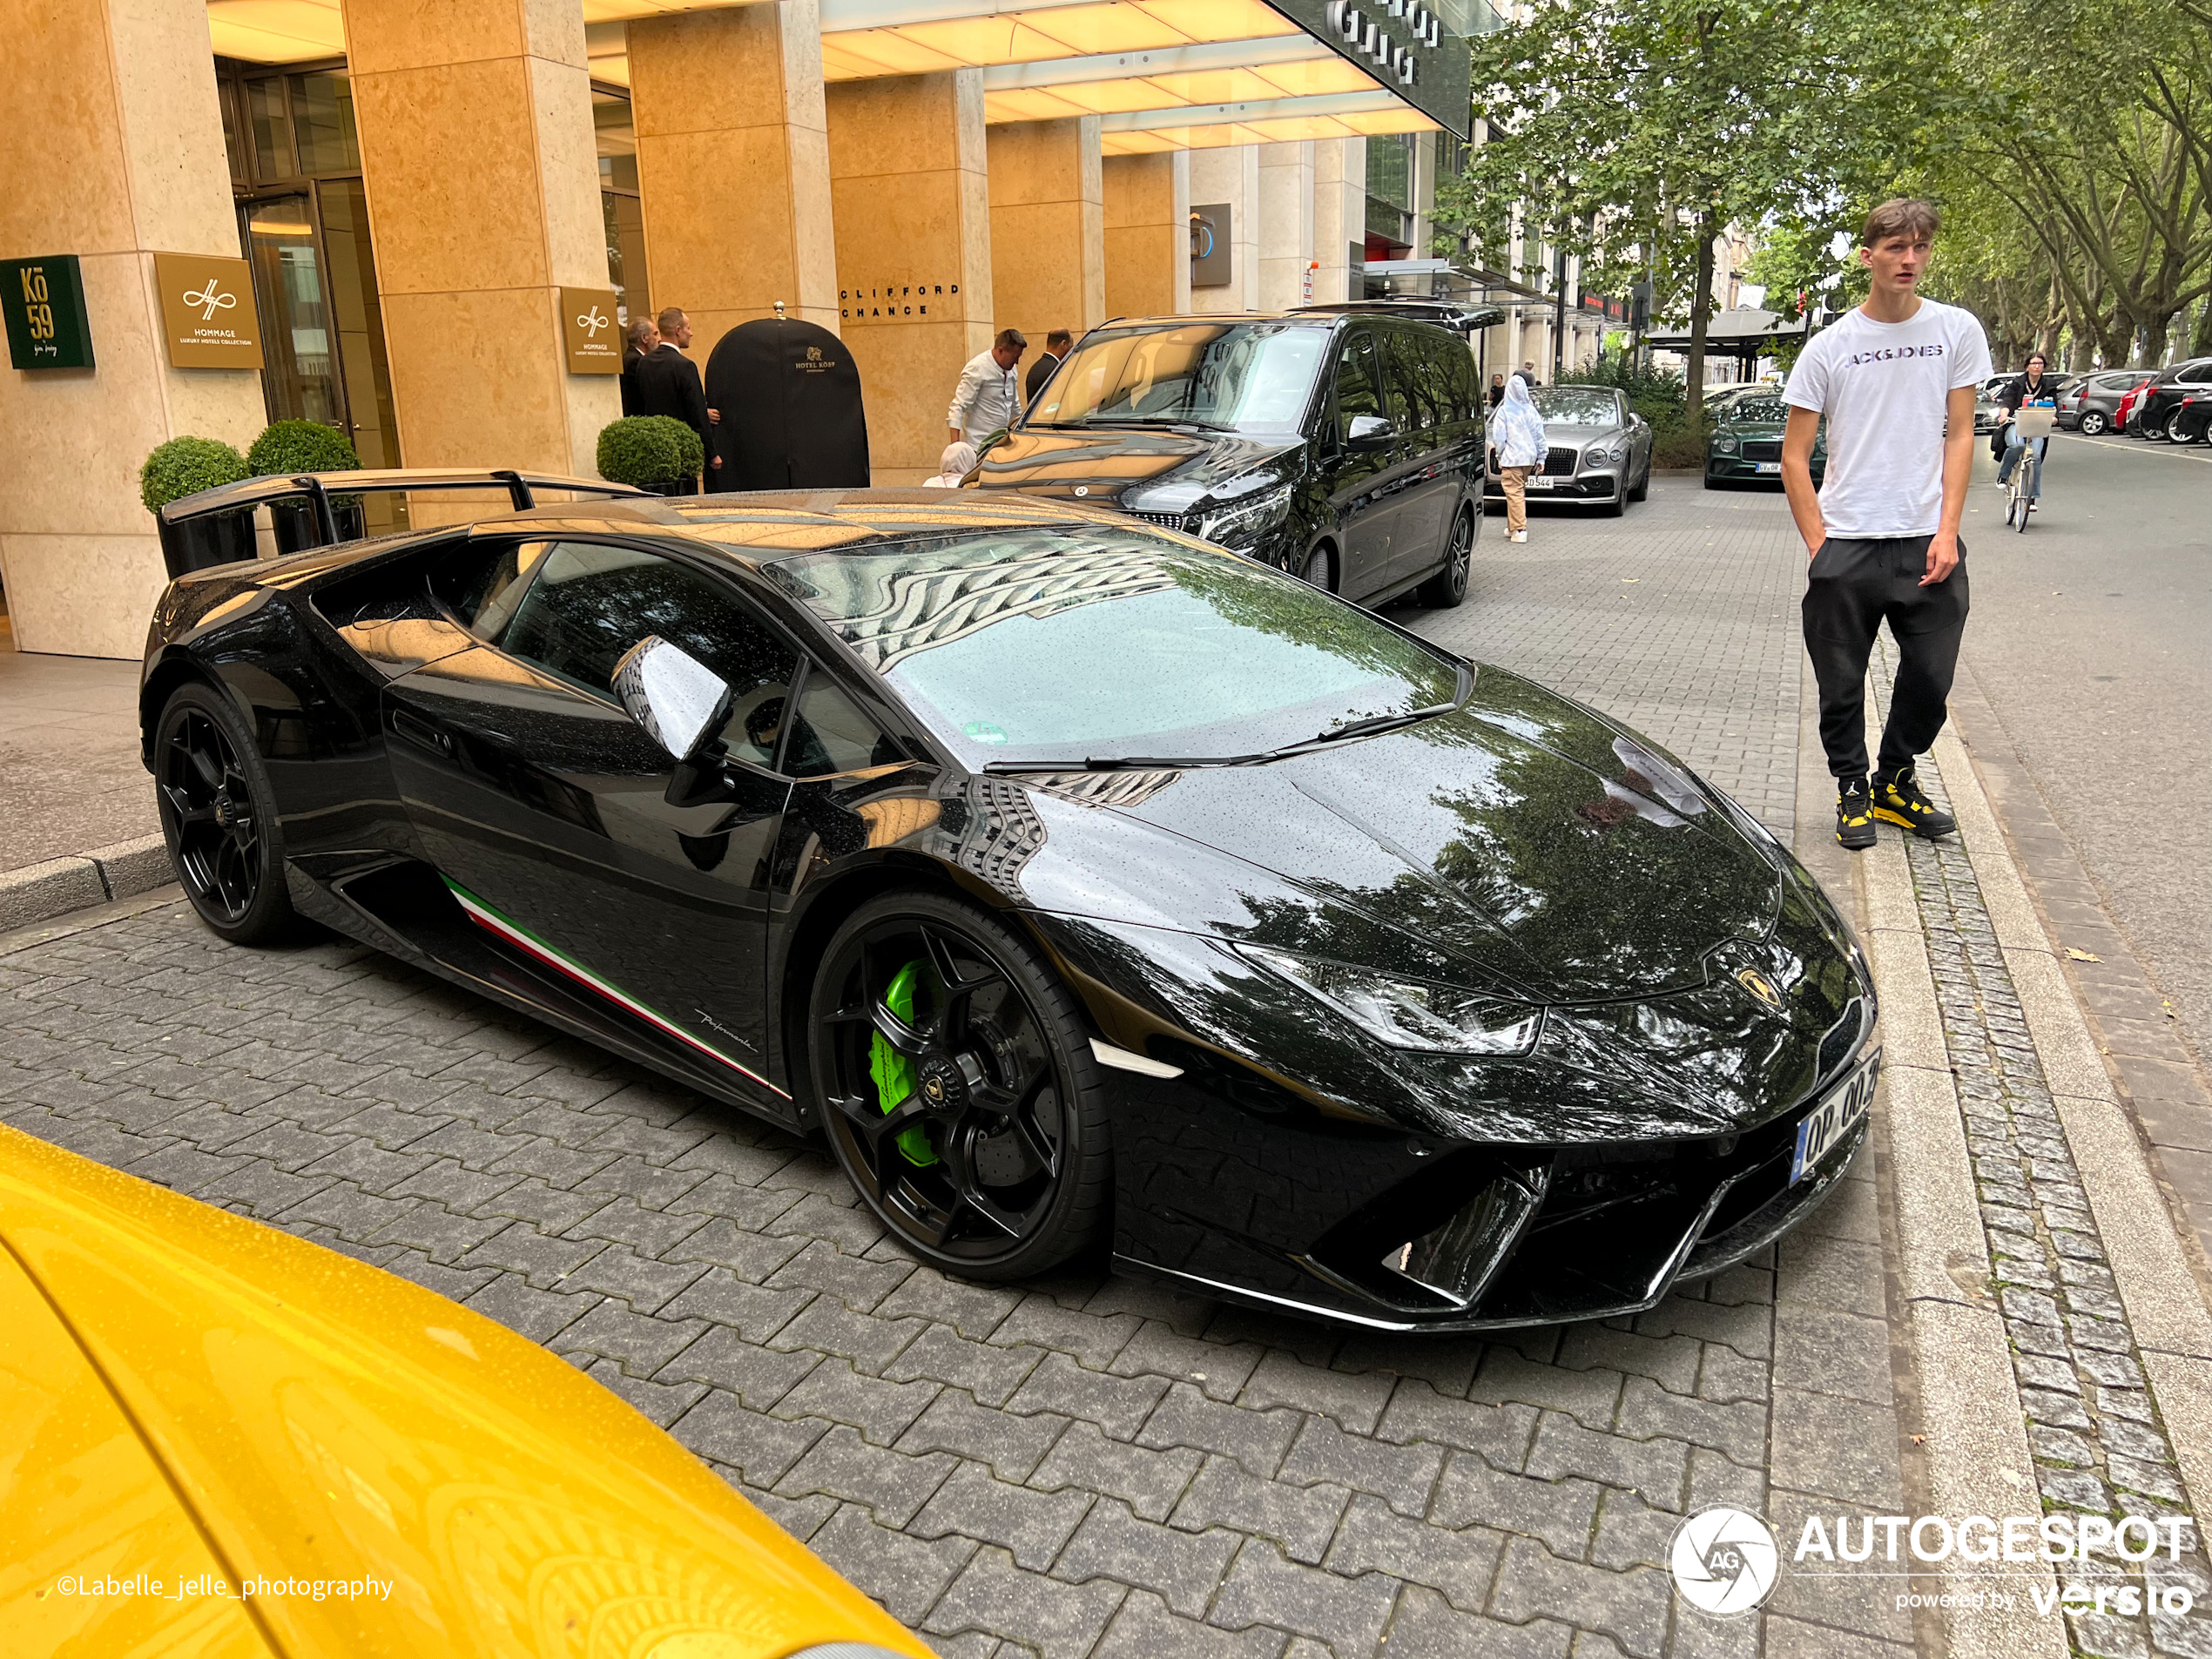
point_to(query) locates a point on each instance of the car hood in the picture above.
(1136, 470)
(1522, 842)
(200, 1398)
(1578, 433)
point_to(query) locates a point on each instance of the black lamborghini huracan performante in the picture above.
(1077, 880)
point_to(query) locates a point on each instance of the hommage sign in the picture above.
(1414, 48)
(593, 336)
(43, 302)
(207, 312)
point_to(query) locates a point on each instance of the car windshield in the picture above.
(1758, 411)
(1576, 406)
(1069, 645)
(1252, 376)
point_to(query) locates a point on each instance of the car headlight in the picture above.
(1601, 455)
(1726, 446)
(1408, 1013)
(1241, 523)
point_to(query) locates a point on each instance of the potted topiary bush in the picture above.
(185, 467)
(287, 449)
(654, 452)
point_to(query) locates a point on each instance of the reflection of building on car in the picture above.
(1344, 444)
(1195, 910)
(1746, 444)
(1600, 449)
(197, 1402)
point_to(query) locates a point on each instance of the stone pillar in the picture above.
(910, 191)
(1284, 230)
(733, 166)
(1339, 217)
(1148, 234)
(1231, 175)
(483, 196)
(114, 150)
(1048, 228)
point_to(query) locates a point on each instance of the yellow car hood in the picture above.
(191, 1403)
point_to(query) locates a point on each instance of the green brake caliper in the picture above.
(893, 1072)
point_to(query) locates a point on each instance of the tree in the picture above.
(1651, 125)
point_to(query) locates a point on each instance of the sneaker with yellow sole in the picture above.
(1898, 801)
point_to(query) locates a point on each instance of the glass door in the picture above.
(298, 340)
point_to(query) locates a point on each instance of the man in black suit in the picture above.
(638, 338)
(1058, 345)
(668, 382)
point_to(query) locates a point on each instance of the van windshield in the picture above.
(1241, 377)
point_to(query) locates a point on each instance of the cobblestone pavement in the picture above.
(2098, 1444)
(1090, 1465)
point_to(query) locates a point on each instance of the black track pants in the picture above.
(1851, 588)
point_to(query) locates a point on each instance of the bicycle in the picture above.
(2034, 422)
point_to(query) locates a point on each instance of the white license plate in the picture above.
(1770, 466)
(1832, 1120)
(1539, 483)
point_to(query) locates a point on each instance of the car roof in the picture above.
(766, 527)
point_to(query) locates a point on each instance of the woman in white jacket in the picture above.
(1517, 434)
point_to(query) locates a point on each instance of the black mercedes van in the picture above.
(1344, 443)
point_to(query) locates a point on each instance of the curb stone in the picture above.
(40, 892)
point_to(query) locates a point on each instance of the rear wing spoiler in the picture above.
(215, 527)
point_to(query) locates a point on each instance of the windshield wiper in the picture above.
(1375, 723)
(1127, 762)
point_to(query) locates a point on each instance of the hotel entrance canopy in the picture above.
(1163, 74)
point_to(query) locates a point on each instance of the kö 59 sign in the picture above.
(43, 299)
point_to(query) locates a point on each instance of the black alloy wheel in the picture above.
(1321, 568)
(217, 816)
(2093, 422)
(1619, 503)
(958, 1087)
(1444, 590)
(2177, 433)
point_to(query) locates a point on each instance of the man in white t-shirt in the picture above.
(1895, 381)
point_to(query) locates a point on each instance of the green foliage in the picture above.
(1658, 394)
(185, 466)
(649, 449)
(1682, 448)
(286, 448)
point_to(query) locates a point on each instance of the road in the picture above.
(2091, 639)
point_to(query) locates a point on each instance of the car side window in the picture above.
(1413, 379)
(1459, 374)
(829, 733)
(588, 603)
(483, 585)
(1355, 388)
(1399, 378)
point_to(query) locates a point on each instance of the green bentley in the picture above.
(1746, 444)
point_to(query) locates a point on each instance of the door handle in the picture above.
(421, 731)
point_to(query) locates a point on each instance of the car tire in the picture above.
(1444, 590)
(1642, 491)
(1008, 1172)
(1321, 568)
(1619, 502)
(1711, 482)
(2175, 432)
(218, 816)
(2093, 423)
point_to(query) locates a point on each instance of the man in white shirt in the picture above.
(988, 397)
(1895, 379)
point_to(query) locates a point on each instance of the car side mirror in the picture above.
(679, 701)
(1367, 431)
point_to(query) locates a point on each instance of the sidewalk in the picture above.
(1994, 1317)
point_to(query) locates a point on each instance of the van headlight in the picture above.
(1243, 523)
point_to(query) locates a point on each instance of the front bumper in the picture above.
(1736, 470)
(1601, 485)
(1369, 1226)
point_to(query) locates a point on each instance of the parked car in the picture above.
(267, 1447)
(1988, 412)
(1344, 445)
(1077, 880)
(2123, 418)
(1746, 444)
(2157, 399)
(1601, 450)
(2188, 422)
(2088, 406)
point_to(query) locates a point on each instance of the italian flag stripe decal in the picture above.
(490, 920)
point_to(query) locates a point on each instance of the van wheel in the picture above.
(1444, 590)
(1321, 568)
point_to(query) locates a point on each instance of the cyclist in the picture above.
(2030, 386)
